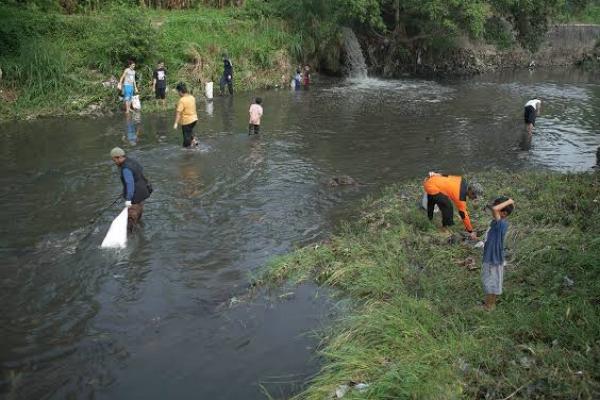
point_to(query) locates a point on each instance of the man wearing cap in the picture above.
(136, 188)
(442, 190)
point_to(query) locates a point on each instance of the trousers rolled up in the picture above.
(253, 129)
(188, 133)
(134, 215)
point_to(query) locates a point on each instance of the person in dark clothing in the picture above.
(136, 188)
(159, 83)
(533, 108)
(227, 78)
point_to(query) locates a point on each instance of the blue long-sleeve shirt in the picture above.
(129, 184)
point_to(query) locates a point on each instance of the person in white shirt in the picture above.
(256, 112)
(533, 108)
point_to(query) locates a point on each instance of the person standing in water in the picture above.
(128, 85)
(256, 112)
(306, 77)
(136, 188)
(227, 78)
(159, 83)
(186, 115)
(533, 108)
(298, 79)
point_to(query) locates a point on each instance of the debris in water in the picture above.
(343, 180)
(233, 301)
(286, 296)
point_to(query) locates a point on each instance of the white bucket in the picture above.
(208, 90)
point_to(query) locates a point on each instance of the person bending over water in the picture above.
(533, 108)
(186, 115)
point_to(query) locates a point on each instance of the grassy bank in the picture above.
(55, 64)
(416, 329)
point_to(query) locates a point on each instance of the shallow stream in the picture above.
(161, 319)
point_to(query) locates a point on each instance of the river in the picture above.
(160, 319)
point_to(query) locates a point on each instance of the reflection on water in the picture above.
(149, 322)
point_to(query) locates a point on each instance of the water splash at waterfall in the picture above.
(355, 61)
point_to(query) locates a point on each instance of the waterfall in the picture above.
(355, 61)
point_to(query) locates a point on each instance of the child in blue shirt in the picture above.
(492, 272)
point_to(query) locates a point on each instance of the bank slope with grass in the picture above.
(55, 64)
(415, 329)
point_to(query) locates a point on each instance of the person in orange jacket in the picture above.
(443, 190)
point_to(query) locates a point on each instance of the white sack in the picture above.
(135, 102)
(116, 237)
(208, 90)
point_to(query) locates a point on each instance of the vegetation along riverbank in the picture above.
(62, 57)
(56, 64)
(416, 330)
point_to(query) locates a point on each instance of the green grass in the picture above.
(415, 329)
(589, 15)
(54, 64)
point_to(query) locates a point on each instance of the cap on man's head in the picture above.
(117, 152)
(476, 189)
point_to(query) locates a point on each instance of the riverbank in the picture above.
(415, 329)
(563, 45)
(68, 65)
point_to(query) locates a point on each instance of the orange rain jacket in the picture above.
(453, 187)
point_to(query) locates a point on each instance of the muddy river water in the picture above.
(160, 319)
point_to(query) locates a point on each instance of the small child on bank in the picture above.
(256, 112)
(492, 271)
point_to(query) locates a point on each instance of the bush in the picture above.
(498, 32)
(124, 34)
(41, 67)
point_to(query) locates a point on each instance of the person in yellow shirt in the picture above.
(186, 115)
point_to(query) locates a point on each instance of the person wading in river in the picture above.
(533, 108)
(227, 78)
(136, 188)
(186, 115)
(443, 190)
